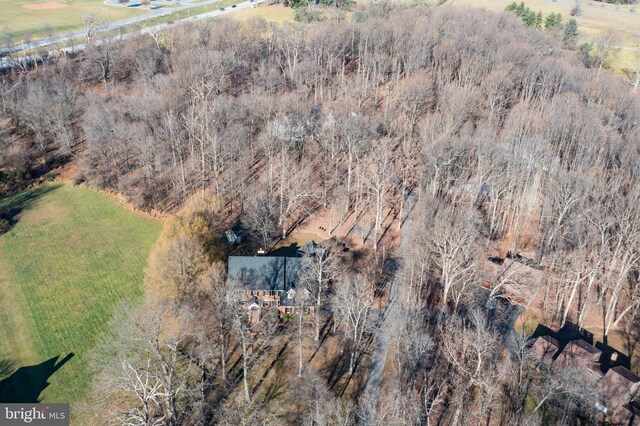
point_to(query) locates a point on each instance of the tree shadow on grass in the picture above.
(27, 383)
(11, 209)
(7, 367)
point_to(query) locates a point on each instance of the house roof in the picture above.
(519, 281)
(627, 415)
(545, 348)
(311, 249)
(626, 374)
(586, 346)
(617, 386)
(579, 353)
(263, 272)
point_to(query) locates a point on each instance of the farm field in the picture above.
(595, 19)
(22, 17)
(73, 255)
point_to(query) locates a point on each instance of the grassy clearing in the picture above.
(22, 17)
(73, 255)
(273, 13)
(591, 23)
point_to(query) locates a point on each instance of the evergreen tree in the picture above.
(570, 34)
(538, 23)
(554, 20)
(529, 17)
(512, 7)
(585, 55)
(550, 21)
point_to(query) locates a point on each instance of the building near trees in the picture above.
(578, 353)
(545, 348)
(618, 388)
(232, 237)
(266, 282)
(628, 414)
(311, 249)
(513, 278)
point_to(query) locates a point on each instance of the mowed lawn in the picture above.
(22, 17)
(73, 255)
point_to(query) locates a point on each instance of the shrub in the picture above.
(78, 179)
(4, 225)
(303, 14)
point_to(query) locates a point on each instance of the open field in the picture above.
(273, 13)
(72, 256)
(595, 19)
(22, 17)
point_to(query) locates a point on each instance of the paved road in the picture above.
(388, 328)
(43, 43)
(6, 63)
(591, 6)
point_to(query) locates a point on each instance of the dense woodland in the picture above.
(423, 144)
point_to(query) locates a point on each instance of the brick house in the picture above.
(266, 282)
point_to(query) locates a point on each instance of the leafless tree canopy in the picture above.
(431, 138)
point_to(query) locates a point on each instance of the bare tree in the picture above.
(34, 111)
(301, 296)
(380, 177)
(633, 72)
(606, 48)
(318, 271)
(352, 305)
(452, 242)
(568, 385)
(241, 328)
(468, 345)
(149, 392)
(261, 217)
(254, 338)
(153, 379)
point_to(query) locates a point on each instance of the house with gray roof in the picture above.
(264, 282)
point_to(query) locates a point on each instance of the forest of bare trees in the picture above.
(491, 137)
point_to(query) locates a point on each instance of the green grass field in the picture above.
(31, 17)
(73, 255)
